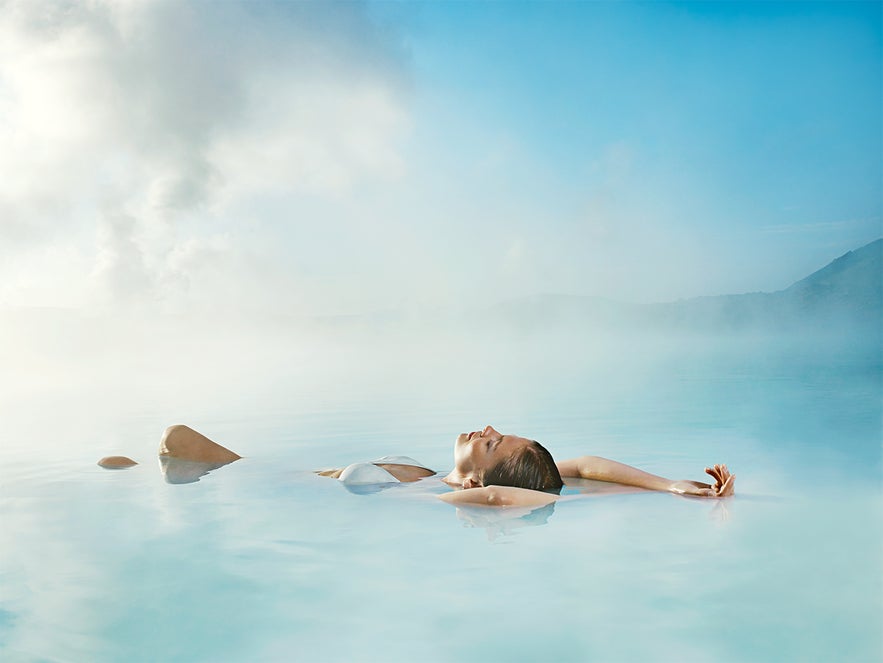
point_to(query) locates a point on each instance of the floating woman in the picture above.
(507, 470)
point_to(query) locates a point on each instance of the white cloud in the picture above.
(120, 265)
(317, 141)
(132, 129)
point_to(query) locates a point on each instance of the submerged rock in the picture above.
(116, 462)
(187, 444)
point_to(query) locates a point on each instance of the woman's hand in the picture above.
(333, 473)
(723, 484)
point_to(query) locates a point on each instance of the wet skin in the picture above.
(479, 451)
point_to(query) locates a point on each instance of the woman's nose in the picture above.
(489, 430)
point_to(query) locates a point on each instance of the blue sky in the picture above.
(734, 129)
(321, 158)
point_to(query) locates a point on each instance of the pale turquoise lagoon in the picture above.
(264, 561)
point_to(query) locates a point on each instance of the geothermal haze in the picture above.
(316, 158)
(325, 232)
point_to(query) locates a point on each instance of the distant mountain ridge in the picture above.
(847, 291)
(854, 280)
(846, 294)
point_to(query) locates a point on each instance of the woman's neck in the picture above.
(454, 479)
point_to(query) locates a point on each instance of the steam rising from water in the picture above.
(320, 233)
(79, 387)
(185, 195)
(315, 158)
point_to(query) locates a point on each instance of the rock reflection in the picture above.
(176, 470)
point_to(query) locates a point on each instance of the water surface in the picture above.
(263, 560)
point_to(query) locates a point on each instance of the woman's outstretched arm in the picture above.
(602, 469)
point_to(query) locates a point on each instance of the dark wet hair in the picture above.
(532, 467)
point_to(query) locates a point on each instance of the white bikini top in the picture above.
(361, 474)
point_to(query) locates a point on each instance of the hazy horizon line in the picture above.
(436, 307)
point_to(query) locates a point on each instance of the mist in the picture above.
(275, 205)
(323, 233)
(79, 385)
(305, 160)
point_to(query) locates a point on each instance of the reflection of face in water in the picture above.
(502, 522)
(177, 471)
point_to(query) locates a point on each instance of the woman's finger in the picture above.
(727, 488)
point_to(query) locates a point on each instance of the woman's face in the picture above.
(478, 451)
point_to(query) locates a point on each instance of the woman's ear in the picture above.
(471, 482)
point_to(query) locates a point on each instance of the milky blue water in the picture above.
(263, 560)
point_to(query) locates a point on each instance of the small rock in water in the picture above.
(116, 462)
(185, 443)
